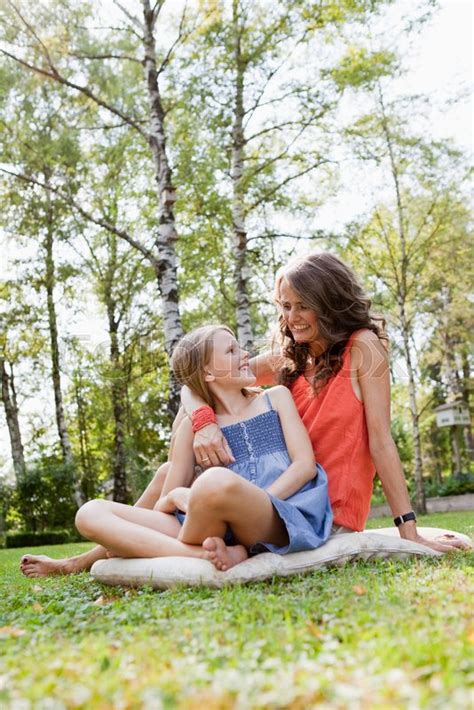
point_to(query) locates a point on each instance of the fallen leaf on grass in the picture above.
(470, 635)
(37, 588)
(100, 601)
(314, 630)
(360, 591)
(11, 631)
(37, 606)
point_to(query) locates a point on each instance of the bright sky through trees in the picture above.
(439, 63)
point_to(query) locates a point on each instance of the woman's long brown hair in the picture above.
(328, 287)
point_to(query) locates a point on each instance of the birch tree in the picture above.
(393, 248)
(10, 405)
(413, 206)
(98, 75)
(260, 74)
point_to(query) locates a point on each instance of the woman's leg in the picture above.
(43, 566)
(133, 532)
(220, 497)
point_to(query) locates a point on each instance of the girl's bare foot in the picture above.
(222, 556)
(43, 566)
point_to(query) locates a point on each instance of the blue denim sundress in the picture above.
(259, 448)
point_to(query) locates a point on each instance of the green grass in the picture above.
(378, 635)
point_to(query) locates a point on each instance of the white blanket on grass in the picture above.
(165, 572)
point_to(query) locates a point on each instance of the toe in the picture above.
(209, 544)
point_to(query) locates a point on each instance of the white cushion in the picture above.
(164, 572)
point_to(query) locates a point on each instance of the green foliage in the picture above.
(453, 486)
(34, 539)
(297, 59)
(45, 495)
(361, 68)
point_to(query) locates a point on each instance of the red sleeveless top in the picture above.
(335, 421)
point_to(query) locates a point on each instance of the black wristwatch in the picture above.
(404, 518)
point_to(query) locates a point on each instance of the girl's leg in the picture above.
(43, 566)
(133, 532)
(220, 497)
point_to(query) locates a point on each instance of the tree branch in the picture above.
(284, 182)
(55, 76)
(99, 221)
(127, 14)
(177, 41)
(105, 56)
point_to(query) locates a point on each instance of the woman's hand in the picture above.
(211, 448)
(442, 543)
(178, 498)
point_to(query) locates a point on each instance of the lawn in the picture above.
(377, 635)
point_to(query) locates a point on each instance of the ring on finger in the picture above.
(205, 459)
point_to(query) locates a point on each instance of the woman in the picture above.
(334, 361)
(274, 498)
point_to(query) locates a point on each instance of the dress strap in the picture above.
(268, 401)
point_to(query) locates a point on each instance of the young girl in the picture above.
(273, 497)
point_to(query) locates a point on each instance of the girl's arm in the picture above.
(370, 360)
(210, 446)
(181, 471)
(303, 467)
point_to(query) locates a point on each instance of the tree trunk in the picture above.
(87, 485)
(166, 236)
(467, 430)
(53, 335)
(11, 415)
(241, 269)
(420, 500)
(457, 466)
(119, 466)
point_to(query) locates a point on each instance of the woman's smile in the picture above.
(300, 319)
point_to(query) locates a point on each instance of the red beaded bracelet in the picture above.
(202, 417)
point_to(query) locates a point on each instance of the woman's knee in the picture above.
(88, 514)
(214, 487)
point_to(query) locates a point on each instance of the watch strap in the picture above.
(404, 518)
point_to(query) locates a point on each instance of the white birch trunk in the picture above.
(166, 235)
(239, 232)
(13, 424)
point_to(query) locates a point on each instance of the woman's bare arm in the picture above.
(182, 461)
(265, 368)
(209, 444)
(302, 468)
(370, 360)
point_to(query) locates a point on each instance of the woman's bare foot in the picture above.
(43, 566)
(223, 557)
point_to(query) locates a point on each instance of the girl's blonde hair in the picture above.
(190, 357)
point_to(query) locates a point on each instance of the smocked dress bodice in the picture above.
(261, 456)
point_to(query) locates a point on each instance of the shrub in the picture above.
(29, 538)
(454, 486)
(44, 496)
